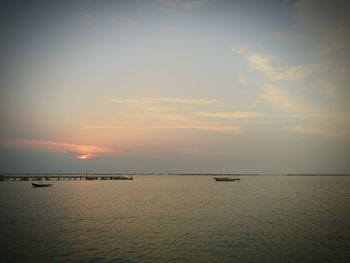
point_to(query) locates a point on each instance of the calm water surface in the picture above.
(177, 219)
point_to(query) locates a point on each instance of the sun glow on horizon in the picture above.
(84, 156)
(82, 152)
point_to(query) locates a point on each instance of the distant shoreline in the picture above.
(191, 174)
(317, 174)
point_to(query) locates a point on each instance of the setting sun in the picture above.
(84, 157)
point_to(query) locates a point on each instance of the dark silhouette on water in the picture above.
(41, 185)
(226, 179)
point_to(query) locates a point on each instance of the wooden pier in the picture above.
(51, 176)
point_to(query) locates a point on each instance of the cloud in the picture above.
(233, 115)
(277, 97)
(301, 108)
(320, 101)
(265, 64)
(104, 127)
(165, 100)
(319, 131)
(172, 117)
(205, 127)
(186, 100)
(261, 62)
(157, 113)
(180, 121)
(80, 151)
(164, 108)
(240, 49)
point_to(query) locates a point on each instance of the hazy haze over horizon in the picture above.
(175, 86)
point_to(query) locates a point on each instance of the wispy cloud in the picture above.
(164, 108)
(265, 64)
(278, 98)
(79, 150)
(186, 100)
(157, 113)
(204, 127)
(165, 100)
(233, 114)
(172, 117)
(321, 109)
(181, 121)
(104, 127)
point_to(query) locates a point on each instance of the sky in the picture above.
(175, 86)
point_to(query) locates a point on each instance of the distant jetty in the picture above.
(71, 176)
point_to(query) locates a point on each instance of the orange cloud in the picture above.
(82, 152)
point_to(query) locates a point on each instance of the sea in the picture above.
(173, 218)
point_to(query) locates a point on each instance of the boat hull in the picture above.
(226, 179)
(41, 185)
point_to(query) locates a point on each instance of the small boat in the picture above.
(40, 185)
(226, 179)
